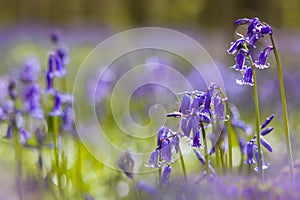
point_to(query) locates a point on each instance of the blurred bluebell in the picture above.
(9, 131)
(24, 135)
(126, 164)
(153, 161)
(49, 83)
(148, 188)
(68, 119)
(30, 71)
(166, 151)
(264, 165)
(12, 91)
(57, 107)
(250, 148)
(166, 174)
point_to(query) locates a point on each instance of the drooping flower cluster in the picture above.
(240, 49)
(62, 106)
(199, 108)
(162, 156)
(251, 146)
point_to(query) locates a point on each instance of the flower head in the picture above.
(261, 62)
(247, 78)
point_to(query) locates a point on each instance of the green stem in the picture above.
(229, 132)
(222, 160)
(205, 148)
(285, 113)
(182, 165)
(257, 124)
(56, 151)
(218, 164)
(18, 158)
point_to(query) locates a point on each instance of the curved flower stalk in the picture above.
(244, 62)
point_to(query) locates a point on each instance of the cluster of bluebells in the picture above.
(25, 100)
(162, 156)
(197, 111)
(251, 146)
(240, 49)
(22, 99)
(57, 61)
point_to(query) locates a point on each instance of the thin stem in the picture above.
(18, 158)
(217, 154)
(205, 148)
(229, 132)
(182, 165)
(285, 113)
(56, 151)
(229, 129)
(218, 164)
(257, 124)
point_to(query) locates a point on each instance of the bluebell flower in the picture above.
(204, 118)
(256, 30)
(266, 131)
(3, 115)
(264, 165)
(12, 91)
(30, 72)
(266, 122)
(196, 140)
(242, 21)
(219, 107)
(166, 174)
(166, 151)
(185, 104)
(57, 107)
(184, 123)
(247, 78)
(9, 131)
(240, 61)
(31, 96)
(207, 103)
(146, 187)
(126, 164)
(250, 147)
(175, 143)
(55, 66)
(24, 135)
(236, 46)
(68, 119)
(49, 83)
(189, 127)
(266, 144)
(261, 62)
(153, 161)
(54, 37)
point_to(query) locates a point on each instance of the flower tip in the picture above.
(241, 21)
